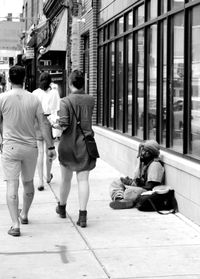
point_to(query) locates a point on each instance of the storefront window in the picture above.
(119, 84)
(163, 6)
(120, 25)
(176, 97)
(130, 81)
(111, 83)
(100, 87)
(140, 84)
(140, 15)
(152, 82)
(175, 4)
(129, 21)
(164, 83)
(111, 29)
(101, 36)
(195, 84)
(153, 9)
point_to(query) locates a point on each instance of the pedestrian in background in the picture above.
(19, 109)
(73, 155)
(50, 101)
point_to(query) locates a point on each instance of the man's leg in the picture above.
(28, 196)
(13, 201)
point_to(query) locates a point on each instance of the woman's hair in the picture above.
(45, 80)
(76, 78)
(17, 74)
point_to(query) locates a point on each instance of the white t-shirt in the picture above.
(49, 99)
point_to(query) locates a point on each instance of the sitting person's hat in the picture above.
(153, 147)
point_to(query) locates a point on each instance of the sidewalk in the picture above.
(120, 244)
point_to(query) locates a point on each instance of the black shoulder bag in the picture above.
(91, 145)
(158, 202)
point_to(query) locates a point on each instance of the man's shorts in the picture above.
(19, 158)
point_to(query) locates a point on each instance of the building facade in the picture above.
(45, 42)
(143, 64)
(10, 46)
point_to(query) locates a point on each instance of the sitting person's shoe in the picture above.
(41, 188)
(49, 180)
(14, 231)
(61, 210)
(122, 204)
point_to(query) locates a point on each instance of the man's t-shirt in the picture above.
(19, 110)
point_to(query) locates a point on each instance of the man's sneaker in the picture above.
(14, 231)
(122, 204)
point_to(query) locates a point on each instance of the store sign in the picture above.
(29, 53)
(43, 35)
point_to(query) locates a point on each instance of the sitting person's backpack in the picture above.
(159, 199)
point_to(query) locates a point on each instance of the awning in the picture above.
(59, 40)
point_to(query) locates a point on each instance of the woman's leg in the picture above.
(65, 186)
(83, 193)
(83, 189)
(40, 163)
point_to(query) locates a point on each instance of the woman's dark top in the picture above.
(72, 151)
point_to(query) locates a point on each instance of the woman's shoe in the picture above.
(82, 220)
(61, 210)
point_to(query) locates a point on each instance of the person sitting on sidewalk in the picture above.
(148, 174)
(19, 109)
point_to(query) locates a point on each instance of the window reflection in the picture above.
(120, 25)
(111, 85)
(175, 4)
(195, 82)
(152, 80)
(140, 83)
(153, 11)
(163, 6)
(140, 15)
(130, 82)
(177, 84)
(164, 84)
(119, 85)
(129, 20)
(100, 84)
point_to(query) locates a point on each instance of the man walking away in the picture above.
(19, 109)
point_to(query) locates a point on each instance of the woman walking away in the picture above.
(50, 101)
(72, 150)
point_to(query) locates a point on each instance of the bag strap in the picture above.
(77, 120)
(174, 210)
(160, 212)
